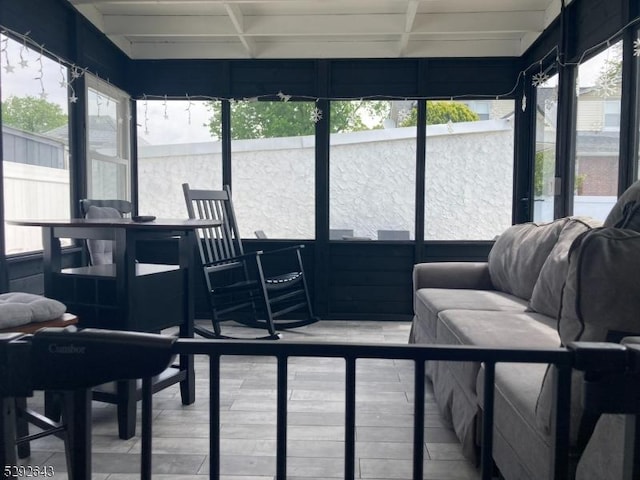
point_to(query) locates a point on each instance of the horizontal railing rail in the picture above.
(215, 349)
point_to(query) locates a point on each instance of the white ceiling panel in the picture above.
(319, 28)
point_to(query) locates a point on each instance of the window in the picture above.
(482, 108)
(273, 168)
(545, 156)
(597, 141)
(612, 114)
(469, 171)
(372, 170)
(108, 124)
(178, 142)
(35, 137)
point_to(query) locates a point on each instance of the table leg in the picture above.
(187, 265)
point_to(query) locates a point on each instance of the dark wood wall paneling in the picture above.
(370, 280)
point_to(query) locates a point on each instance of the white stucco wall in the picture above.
(372, 181)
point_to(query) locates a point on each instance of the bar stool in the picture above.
(16, 415)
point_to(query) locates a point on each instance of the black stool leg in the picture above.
(77, 415)
(22, 428)
(8, 427)
(126, 393)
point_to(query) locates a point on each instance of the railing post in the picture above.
(631, 453)
(486, 459)
(281, 422)
(350, 419)
(418, 420)
(214, 417)
(561, 424)
(147, 429)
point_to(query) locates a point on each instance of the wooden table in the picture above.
(127, 295)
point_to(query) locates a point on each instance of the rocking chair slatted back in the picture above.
(216, 243)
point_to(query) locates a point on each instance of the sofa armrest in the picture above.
(472, 275)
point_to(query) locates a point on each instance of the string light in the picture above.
(23, 62)
(188, 109)
(77, 72)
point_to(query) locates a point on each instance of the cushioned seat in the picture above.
(516, 394)
(431, 301)
(17, 309)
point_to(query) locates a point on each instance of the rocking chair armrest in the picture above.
(235, 258)
(280, 250)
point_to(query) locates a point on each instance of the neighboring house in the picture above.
(33, 149)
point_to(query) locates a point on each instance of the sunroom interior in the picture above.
(377, 134)
(148, 95)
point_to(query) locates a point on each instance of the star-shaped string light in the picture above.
(606, 86)
(539, 79)
(283, 97)
(316, 115)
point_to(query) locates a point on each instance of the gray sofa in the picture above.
(542, 286)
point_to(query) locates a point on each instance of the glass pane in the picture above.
(108, 123)
(273, 168)
(545, 159)
(372, 170)
(178, 142)
(35, 135)
(469, 170)
(598, 133)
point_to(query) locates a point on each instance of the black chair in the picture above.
(101, 251)
(18, 416)
(236, 281)
(125, 393)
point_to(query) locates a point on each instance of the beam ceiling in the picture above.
(263, 29)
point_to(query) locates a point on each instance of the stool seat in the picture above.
(64, 320)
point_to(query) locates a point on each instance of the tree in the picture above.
(439, 113)
(262, 119)
(32, 114)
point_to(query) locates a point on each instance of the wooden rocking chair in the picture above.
(236, 281)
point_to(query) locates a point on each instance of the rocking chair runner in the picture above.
(236, 280)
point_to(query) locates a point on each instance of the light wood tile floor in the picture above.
(315, 413)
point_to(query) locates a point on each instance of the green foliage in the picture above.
(439, 113)
(32, 114)
(545, 167)
(256, 119)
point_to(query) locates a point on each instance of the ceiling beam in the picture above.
(319, 25)
(410, 17)
(321, 49)
(165, 25)
(237, 18)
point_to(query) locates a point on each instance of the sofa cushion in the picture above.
(455, 382)
(600, 302)
(626, 212)
(520, 449)
(547, 291)
(430, 302)
(518, 255)
(493, 329)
